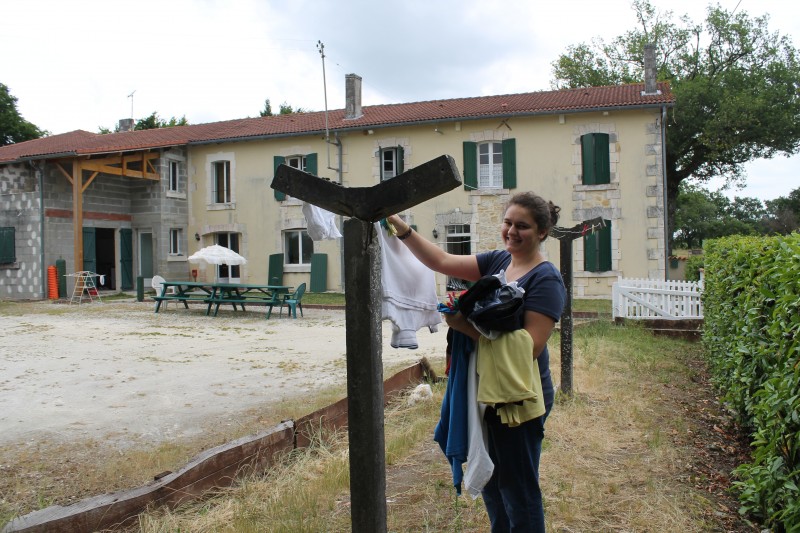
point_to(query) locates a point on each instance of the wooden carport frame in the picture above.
(118, 165)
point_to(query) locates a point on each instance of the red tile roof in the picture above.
(81, 142)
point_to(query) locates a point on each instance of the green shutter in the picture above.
(126, 258)
(597, 250)
(604, 242)
(510, 164)
(7, 248)
(595, 158)
(275, 276)
(89, 249)
(311, 164)
(319, 273)
(278, 161)
(587, 160)
(470, 166)
(400, 158)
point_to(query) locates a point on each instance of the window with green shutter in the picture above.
(490, 165)
(7, 246)
(306, 163)
(597, 250)
(595, 159)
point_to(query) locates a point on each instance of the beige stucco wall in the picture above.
(548, 162)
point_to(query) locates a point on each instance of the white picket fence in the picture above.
(653, 299)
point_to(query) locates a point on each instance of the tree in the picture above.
(284, 109)
(703, 214)
(735, 86)
(14, 128)
(153, 121)
(783, 214)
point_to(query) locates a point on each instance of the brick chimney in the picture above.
(650, 86)
(126, 124)
(352, 96)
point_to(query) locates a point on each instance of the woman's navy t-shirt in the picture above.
(544, 293)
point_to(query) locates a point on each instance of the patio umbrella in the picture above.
(217, 255)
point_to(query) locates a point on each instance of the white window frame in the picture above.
(175, 237)
(457, 235)
(174, 175)
(224, 238)
(227, 193)
(392, 153)
(490, 165)
(296, 161)
(300, 251)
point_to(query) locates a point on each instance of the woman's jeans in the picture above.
(512, 496)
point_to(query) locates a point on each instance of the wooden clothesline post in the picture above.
(363, 294)
(565, 237)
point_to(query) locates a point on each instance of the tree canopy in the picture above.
(284, 109)
(14, 128)
(702, 214)
(150, 122)
(736, 87)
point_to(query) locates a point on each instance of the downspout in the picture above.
(37, 167)
(664, 188)
(340, 176)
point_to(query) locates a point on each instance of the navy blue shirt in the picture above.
(544, 293)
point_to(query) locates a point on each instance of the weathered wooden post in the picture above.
(363, 311)
(565, 237)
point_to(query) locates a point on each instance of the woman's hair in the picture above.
(544, 213)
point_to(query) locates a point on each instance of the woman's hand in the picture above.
(399, 225)
(459, 322)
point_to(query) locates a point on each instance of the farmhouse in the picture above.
(138, 203)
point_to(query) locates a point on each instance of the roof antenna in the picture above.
(131, 97)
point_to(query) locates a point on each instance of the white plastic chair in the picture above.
(157, 283)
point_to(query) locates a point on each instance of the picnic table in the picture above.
(216, 294)
(247, 294)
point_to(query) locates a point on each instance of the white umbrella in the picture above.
(217, 255)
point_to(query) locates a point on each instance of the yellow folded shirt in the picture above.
(509, 374)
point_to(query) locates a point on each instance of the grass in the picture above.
(609, 461)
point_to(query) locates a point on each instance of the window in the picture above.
(306, 163)
(7, 247)
(222, 181)
(173, 176)
(595, 159)
(175, 241)
(458, 243)
(490, 165)
(597, 250)
(228, 273)
(297, 247)
(391, 162)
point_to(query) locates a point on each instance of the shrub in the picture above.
(752, 339)
(693, 265)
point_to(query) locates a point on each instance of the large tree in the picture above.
(736, 88)
(14, 128)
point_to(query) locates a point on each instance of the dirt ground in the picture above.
(120, 373)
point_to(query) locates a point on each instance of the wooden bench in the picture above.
(249, 299)
(185, 298)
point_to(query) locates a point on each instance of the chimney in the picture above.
(126, 124)
(650, 87)
(352, 96)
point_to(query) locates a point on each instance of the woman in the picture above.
(512, 496)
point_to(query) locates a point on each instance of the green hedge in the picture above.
(752, 337)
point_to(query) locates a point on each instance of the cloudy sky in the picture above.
(72, 65)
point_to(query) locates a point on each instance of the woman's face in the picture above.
(519, 231)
